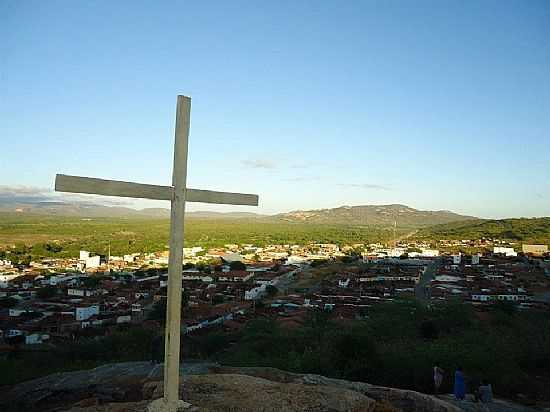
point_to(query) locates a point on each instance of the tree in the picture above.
(184, 298)
(6, 303)
(31, 315)
(428, 330)
(237, 265)
(505, 306)
(204, 268)
(47, 292)
(53, 247)
(271, 290)
(159, 311)
(159, 307)
(15, 340)
(217, 299)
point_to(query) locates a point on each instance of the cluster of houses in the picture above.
(348, 294)
(39, 306)
(498, 276)
(55, 299)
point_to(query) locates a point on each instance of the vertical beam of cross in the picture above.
(173, 305)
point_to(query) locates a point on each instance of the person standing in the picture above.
(485, 392)
(460, 385)
(438, 377)
(157, 349)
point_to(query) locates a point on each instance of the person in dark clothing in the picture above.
(157, 349)
(473, 384)
(485, 392)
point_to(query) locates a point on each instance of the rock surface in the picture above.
(130, 387)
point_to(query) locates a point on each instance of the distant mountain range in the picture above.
(88, 209)
(378, 215)
(80, 209)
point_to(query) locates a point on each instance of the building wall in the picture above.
(86, 312)
(535, 249)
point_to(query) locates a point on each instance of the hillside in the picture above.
(131, 386)
(533, 230)
(85, 209)
(365, 215)
(379, 215)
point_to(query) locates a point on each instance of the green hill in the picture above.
(375, 215)
(533, 230)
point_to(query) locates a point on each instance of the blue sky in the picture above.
(433, 104)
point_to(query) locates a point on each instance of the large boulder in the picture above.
(231, 392)
(401, 399)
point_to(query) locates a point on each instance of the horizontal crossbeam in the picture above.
(90, 185)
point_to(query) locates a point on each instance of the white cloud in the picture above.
(368, 186)
(258, 163)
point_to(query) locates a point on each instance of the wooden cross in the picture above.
(178, 194)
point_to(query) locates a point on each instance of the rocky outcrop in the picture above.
(116, 382)
(401, 399)
(130, 387)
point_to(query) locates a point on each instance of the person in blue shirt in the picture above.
(460, 385)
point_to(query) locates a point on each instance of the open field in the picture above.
(148, 234)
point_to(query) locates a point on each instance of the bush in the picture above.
(47, 292)
(236, 265)
(6, 303)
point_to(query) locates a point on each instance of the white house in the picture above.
(510, 297)
(16, 312)
(195, 274)
(429, 253)
(84, 254)
(343, 283)
(86, 312)
(255, 293)
(93, 262)
(13, 332)
(129, 258)
(506, 251)
(80, 292)
(6, 278)
(124, 319)
(296, 260)
(36, 338)
(192, 251)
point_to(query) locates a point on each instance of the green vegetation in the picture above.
(46, 292)
(124, 345)
(535, 230)
(133, 343)
(396, 345)
(6, 303)
(57, 236)
(399, 342)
